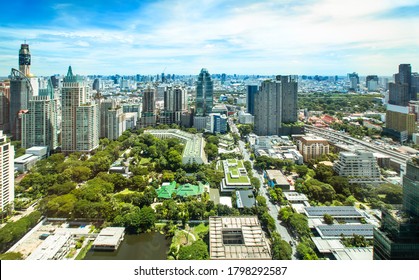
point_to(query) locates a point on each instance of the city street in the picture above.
(273, 210)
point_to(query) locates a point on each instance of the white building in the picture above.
(246, 118)
(80, 116)
(7, 179)
(359, 167)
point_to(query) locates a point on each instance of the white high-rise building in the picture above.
(80, 116)
(7, 178)
(112, 119)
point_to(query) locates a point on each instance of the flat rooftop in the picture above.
(235, 173)
(335, 211)
(233, 238)
(295, 196)
(277, 176)
(245, 198)
(347, 230)
(109, 236)
(50, 247)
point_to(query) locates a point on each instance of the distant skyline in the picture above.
(306, 37)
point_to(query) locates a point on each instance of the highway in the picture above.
(336, 137)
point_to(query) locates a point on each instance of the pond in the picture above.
(144, 246)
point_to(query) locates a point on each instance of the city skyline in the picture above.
(247, 37)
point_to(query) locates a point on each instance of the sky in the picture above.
(267, 37)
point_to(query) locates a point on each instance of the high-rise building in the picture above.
(80, 116)
(4, 105)
(372, 82)
(354, 81)
(204, 94)
(25, 60)
(175, 103)
(402, 90)
(275, 104)
(7, 176)
(312, 147)
(250, 98)
(398, 236)
(148, 113)
(40, 122)
(112, 119)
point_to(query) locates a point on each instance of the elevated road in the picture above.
(340, 137)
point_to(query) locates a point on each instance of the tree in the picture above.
(301, 170)
(198, 250)
(281, 250)
(211, 150)
(328, 219)
(305, 252)
(61, 206)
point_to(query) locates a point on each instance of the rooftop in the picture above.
(348, 230)
(235, 172)
(277, 177)
(245, 198)
(335, 211)
(167, 189)
(50, 247)
(109, 236)
(237, 238)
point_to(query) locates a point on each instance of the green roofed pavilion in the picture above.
(167, 190)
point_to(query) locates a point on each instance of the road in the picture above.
(273, 210)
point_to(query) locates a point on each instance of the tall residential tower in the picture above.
(7, 176)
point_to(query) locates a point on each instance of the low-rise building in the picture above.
(25, 163)
(109, 238)
(237, 238)
(277, 179)
(312, 147)
(54, 247)
(235, 175)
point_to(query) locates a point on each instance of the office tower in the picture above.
(403, 90)
(223, 78)
(40, 122)
(415, 85)
(56, 81)
(275, 104)
(21, 91)
(4, 105)
(372, 82)
(25, 60)
(96, 84)
(80, 116)
(112, 119)
(7, 176)
(354, 81)
(250, 98)
(175, 103)
(204, 93)
(398, 236)
(148, 114)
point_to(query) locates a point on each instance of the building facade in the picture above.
(204, 94)
(217, 123)
(7, 176)
(250, 98)
(112, 119)
(40, 122)
(4, 105)
(359, 167)
(148, 114)
(312, 147)
(275, 104)
(398, 236)
(80, 116)
(372, 82)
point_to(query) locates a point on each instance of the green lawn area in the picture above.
(235, 171)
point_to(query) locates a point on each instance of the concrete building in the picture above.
(148, 114)
(250, 98)
(175, 104)
(80, 116)
(109, 239)
(40, 122)
(54, 247)
(354, 81)
(7, 174)
(216, 123)
(25, 163)
(399, 119)
(194, 144)
(372, 82)
(312, 147)
(275, 104)
(237, 238)
(246, 118)
(235, 175)
(359, 167)
(200, 122)
(4, 105)
(398, 236)
(112, 119)
(277, 179)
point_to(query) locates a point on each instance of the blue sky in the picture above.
(244, 37)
